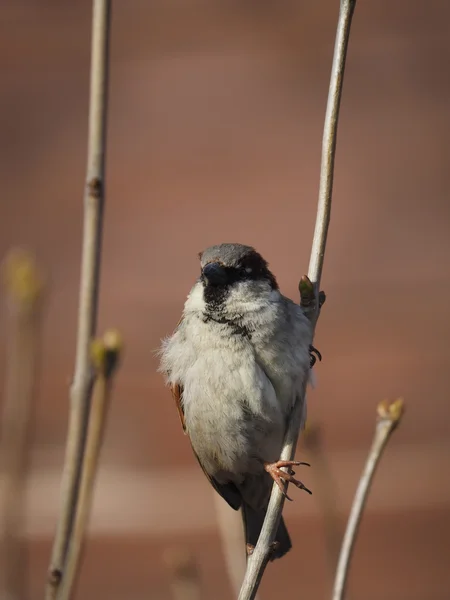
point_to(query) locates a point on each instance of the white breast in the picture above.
(230, 405)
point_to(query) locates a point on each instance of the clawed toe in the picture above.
(281, 477)
(313, 359)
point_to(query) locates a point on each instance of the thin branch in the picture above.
(90, 266)
(24, 290)
(258, 560)
(346, 10)
(105, 356)
(389, 417)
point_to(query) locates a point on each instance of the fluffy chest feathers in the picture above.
(240, 370)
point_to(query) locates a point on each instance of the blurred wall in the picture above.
(215, 127)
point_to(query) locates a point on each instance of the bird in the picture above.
(236, 363)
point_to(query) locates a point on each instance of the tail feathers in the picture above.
(253, 522)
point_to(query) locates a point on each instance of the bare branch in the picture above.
(90, 267)
(389, 416)
(105, 356)
(346, 10)
(258, 560)
(24, 290)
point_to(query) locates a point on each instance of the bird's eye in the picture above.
(244, 272)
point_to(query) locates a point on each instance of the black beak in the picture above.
(215, 274)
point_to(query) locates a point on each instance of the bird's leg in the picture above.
(279, 476)
(313, 351)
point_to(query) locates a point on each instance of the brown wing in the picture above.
(177, 393)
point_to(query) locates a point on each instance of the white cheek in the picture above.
(195, 301)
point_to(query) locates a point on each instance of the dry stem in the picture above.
(105, 355)
(259, 558)
(24, 287)
(389, 416)
(90, 265)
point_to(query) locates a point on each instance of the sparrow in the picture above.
(236, 363)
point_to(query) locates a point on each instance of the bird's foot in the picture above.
(250, 548)
(314, 354)
(274, 546)
(279, 476)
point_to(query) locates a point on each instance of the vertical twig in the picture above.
(90, 266)
(346, 10)
(258, 560)
(389, 416)
(105, 356)
(24, 288)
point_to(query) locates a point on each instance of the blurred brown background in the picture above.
(215, 127)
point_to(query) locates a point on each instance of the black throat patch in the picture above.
(215, 297)
(250, 267)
